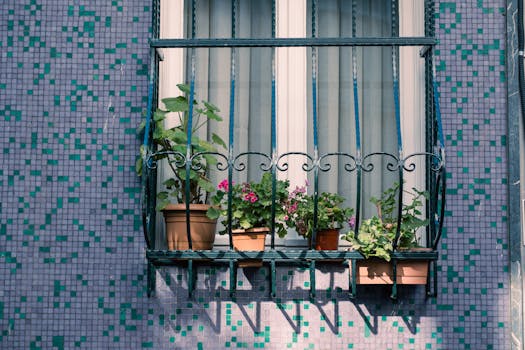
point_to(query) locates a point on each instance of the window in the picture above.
(334, 69)
(339, 85)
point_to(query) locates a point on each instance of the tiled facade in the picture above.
(73, 85)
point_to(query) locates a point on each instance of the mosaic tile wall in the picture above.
(72, 273)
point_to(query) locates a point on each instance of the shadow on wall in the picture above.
(212, 305)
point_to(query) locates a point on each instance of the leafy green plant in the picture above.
(331, 214)
(251, 204)
(171, 144)
(377, 234)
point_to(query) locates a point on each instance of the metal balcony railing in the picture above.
(315, 163)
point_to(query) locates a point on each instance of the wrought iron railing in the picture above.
(315, 163)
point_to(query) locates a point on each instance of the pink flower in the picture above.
(224, 185)
(292, 208)
(251, 197)
(286, 218)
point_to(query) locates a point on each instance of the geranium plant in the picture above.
(377, 234)
(171, 144)
(251, 204)
(331, 213)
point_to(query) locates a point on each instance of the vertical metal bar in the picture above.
(356, 121)
(273, 131)
(149, 208)
(190, 129)
(430, 135)
(273, 279)
(352, 267)
(315, 127)
(312, 279)
(397, 111)
(442, 175)
(231, 125)
(146, 208)
(393, 296)
(233, 278)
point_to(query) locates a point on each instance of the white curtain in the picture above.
(336, 115)
(253, 73)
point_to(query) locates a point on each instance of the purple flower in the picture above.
(351, 222)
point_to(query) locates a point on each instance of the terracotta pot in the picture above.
(327, 239)
(250, 240)
(377, 271)
(202, 228)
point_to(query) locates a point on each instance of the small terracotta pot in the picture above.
(252, 239)
(202, 228)
(327, 239)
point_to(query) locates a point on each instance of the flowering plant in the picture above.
(251, 204)
(331, 214)
(377, 234)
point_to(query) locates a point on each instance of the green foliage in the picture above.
(251, 204)
(377, 234)
(171, 144)
(330, 212)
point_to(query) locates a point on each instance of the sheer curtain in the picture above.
(253, 75)
(253, 84)
(336, 97)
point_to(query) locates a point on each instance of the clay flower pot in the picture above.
(379, 271)
(201, 227)
(327, 239)
(252, 239)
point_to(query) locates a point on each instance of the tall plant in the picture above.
(171, 144)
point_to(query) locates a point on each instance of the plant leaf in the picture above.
(213, 213)
(218, 140)
(184, 88)
(176, 104)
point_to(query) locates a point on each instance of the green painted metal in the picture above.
(279, 255)
(312, 280)
(435, 160)
(273, 279)
(233, 277)
(291, 42)
(352, 265)
(393, 295)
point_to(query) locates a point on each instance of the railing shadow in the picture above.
(250, 299)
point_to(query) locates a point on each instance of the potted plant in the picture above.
(331, 216)
(251, 204)
(171, 144)
(376, 237)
